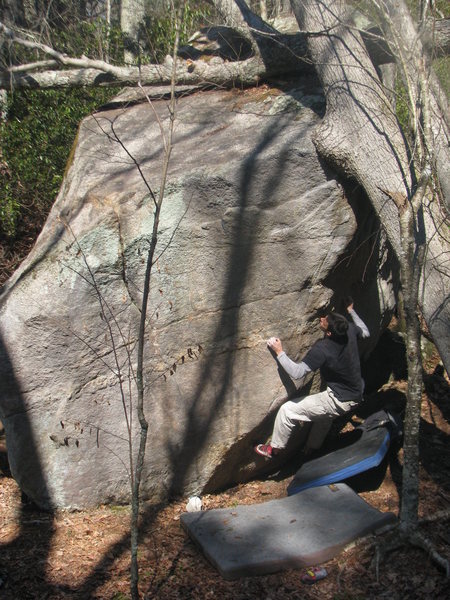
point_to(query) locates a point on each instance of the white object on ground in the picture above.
(194, 504)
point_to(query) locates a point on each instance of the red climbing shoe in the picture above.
(264, 450)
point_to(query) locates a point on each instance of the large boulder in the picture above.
(256, 236)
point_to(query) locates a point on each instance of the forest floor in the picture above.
(85, 554)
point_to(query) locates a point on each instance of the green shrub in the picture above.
(36, 142)
(90, 38)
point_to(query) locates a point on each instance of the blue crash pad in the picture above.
(364, 454)
(297, 531)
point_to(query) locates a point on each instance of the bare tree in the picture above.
(157, 200)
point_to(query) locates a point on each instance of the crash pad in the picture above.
(364, 454)
(297, 531)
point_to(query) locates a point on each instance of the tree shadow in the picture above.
(242, 252)
(41, 532)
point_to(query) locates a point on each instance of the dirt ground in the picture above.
(82, 555)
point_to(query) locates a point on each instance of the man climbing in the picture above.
(336, 356)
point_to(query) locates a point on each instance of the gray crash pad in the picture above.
(305, 529)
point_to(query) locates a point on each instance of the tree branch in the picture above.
(59, 57)
(34, 66)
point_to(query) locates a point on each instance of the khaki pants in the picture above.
(319, 409)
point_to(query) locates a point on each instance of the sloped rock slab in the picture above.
(298, 531)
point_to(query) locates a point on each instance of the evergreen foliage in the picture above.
(36, 142)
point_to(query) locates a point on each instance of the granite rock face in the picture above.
(256, 236)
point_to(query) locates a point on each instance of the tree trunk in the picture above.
(199, 73)
(140, 379)
(360, 136)
(3, 107)
(405, 42)
(237, 14)
(281, 7)
(30, 13)
(412, 241)
(132, 14)
(108, 27)
(263, 9)
(410, 474)
(436, 37)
